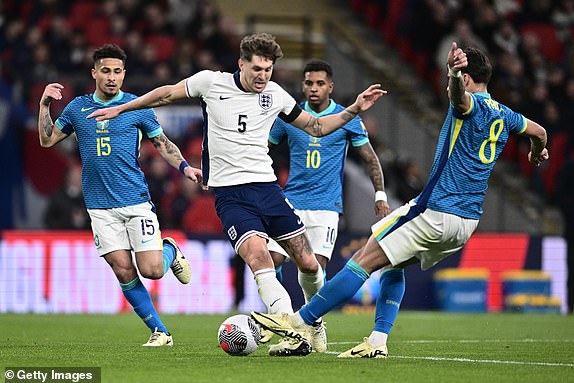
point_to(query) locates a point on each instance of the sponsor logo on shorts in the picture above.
(97, 241)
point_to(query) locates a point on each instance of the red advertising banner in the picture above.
(50, 271)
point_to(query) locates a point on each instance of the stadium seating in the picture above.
(550, 44)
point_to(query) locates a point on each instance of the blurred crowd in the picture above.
(47, 41)
(529, 42)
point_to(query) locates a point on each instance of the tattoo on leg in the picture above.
(298, 246)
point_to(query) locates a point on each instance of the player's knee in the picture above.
(309, 267)
(152, 272)
(125, 275)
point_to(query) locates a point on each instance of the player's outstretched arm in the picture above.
(160, 96)
(321, 126)
(538, 139)
(48, 135)
(171, 153)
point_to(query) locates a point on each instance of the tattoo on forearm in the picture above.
(314, 127)
(168, 148)
(48, 125)
(348, 115)
(376, 174)
(373, 165)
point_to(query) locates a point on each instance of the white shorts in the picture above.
(126, 228)
(322, 229)
(429, 235)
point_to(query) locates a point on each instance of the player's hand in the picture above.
(368, 98)
(51, 92)
(538, 159)
(382, 209)
(105, 113)
(193, 174)
(456, 58)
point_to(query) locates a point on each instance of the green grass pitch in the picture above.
(423, 346)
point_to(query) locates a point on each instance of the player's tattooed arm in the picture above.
(373, 164)
(375, 170)
(322, 126)
(171, 153)
(47, 134)
(48, 124)
(168, 150)
(314, 127)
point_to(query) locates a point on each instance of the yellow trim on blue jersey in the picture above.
(470, 107)
(457, 127)
(383, 229)
(525, 125)
(140, 136)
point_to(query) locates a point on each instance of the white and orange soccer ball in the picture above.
(239, 335)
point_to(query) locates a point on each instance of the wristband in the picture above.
(182, 166)
(380, 196)
(454, 74)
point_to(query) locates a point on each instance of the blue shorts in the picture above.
(256, 209)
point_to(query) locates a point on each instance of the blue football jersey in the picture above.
(316, 164)
(469, 145)
(109, 150)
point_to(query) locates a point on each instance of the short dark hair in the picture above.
(260, 44)
(109, 51)
(479, 67)
(318, 66)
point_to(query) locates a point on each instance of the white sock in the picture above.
(272, 293)
(311, 283)
(377, 338)
(297, 320)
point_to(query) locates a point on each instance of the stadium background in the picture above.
(394, 42)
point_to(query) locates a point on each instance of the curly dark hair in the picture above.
(260, 44)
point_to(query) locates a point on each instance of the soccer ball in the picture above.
(239, 335)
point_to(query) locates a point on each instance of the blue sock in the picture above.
(138, 296)
(337, 290)
(279, 273)
(389, 300)
(168, 256)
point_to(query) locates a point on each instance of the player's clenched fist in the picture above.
(51, 92)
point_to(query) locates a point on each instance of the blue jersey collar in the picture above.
(238, 81)
(483, 94)
(327, 111)
(118, 97)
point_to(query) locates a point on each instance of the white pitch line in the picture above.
(465, 360)
(430, 341)
(494, 361)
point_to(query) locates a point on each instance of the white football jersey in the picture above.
(236, 127)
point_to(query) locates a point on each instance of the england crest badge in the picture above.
(265, 100)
